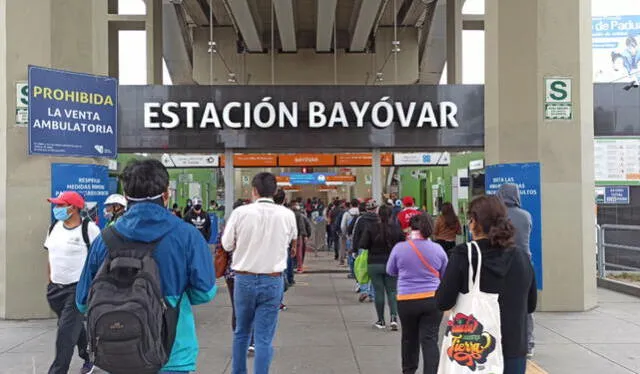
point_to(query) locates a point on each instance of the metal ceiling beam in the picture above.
(367, 14)
(325, 24)
(286, 24)
(411, 10)
(198, 11)
(177, 45)
(433, 48)
(221, 15)
(247, 24)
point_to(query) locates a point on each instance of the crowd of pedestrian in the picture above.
(124, 296)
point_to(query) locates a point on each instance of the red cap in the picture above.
(408, 201)
(68, 198)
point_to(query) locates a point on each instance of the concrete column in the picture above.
(376, 176)
(57, 34)
(154, 41)
(454, 41)
(229, 182)
(526, 41)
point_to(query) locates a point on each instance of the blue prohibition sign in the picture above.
(72, 114)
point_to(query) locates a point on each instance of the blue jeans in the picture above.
(257, 303)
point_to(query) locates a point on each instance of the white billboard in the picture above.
(616, 48)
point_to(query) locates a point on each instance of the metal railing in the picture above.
(602, 246)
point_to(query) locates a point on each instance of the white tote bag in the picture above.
(473, 340)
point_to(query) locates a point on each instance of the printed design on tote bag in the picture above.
(470, 344)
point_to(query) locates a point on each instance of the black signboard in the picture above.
(299, 118)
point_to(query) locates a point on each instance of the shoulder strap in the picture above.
(52, 226)
(471, 246)
(85, 232)
(422, 259)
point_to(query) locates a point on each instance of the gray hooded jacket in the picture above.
(520, 218)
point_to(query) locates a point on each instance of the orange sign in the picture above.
(362, 159)
(340, 179)
(253, 160)
(307, 159)
(282, 179)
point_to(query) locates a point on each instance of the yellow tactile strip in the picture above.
(533, 368)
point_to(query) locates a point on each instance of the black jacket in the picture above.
(368, 237)
(506, 272)
(201, 221)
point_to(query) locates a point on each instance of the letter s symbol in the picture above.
(558, 90)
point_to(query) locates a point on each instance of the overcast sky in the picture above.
(133, 52)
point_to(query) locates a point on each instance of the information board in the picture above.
(90, 181)
(617, 161)
(613, 195)
(527, 177)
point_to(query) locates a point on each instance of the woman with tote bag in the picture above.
(490, 288)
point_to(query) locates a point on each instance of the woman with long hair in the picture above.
(504, 270)
(447, 227)
(379, 237)
(418, 263)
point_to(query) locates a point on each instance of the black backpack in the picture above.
(85, 231)
(131, 329)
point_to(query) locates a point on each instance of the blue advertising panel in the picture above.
(527, 177)
(616, 195)
(72, 114)
(90, 181)
(307, 178)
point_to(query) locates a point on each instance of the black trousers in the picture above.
(420, 325)
(71, 331)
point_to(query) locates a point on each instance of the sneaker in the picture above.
(87, 368)
(380, 325)
(371, 299)
(530, 353)
(394, 324)
(356, 288)
(351, 276)
(363, 297)
(283, 307)
(252, 350)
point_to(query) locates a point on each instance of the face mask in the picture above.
(61, 213)
(108, 214)
(197, 207)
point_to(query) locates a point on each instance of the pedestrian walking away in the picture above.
(380, 237)
(259, 235)
(155, 250)
(521, 221)
(67, 244)
(418, 263)
(504, 270)
(447, 227)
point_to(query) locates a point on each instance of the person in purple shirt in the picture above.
(419, 264)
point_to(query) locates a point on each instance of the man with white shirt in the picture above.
(259, 235)
(68, 244)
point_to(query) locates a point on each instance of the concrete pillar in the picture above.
(65, 34)
(526, 41)
(376, 176)
(154, 41)
(454, 41)
(229, 182)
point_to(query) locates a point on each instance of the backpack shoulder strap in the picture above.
(422, 259)
(85, 232)
(52, 226)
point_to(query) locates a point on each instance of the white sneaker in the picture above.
(252, 350)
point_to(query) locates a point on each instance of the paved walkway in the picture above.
(327, 331)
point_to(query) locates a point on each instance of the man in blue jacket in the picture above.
(182, 255)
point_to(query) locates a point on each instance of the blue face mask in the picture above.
(61, 213)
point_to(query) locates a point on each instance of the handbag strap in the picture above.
(424, 260)
(474, 286)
